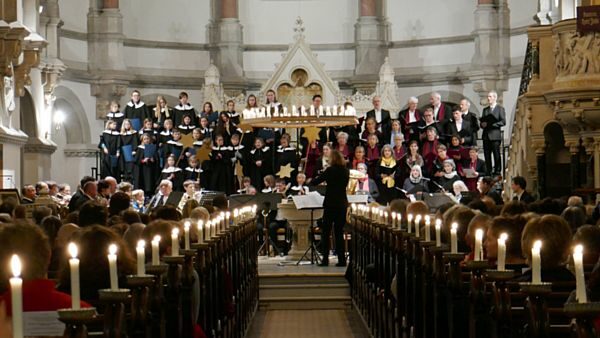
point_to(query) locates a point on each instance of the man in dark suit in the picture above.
(520, 194)
(382, 117)
(410, 118)
(28, 193)
(74, 203)
(461, 127)
(492, 134)
(465, 105)
(441, 111)
(163, 197)
(428, 121)
(89, 193)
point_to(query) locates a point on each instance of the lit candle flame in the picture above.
(156, 239)
(578, 250)
(537, 245)
(201, 224)
(72, 250)
(175, 232)
(141, 243)
(187, 225)
(504, 237)
(112, 249)
(454, 226)
(438, 223)
(15, 265)
(479, 234)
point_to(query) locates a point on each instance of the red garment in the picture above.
(355, 162)
(471, 183)
(429, 154)
(373, 155)
(399, 152)
(40, 295)
(345, 152)
(311, 162)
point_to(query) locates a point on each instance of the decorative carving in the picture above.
(106, 91)
(539, 146)
(299, 29)
(80, 152)
(575, 53)
(213, 89)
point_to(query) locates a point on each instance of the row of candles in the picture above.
(394, 219)
(206, 231)
(258, 113)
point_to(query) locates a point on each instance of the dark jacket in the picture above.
(337, 178)
(492, 132)
(525, 198)
(465, 132)
(386, 122)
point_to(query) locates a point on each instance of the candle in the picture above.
(342, 110)
(16, 293)
(302, 111)
(74, 266)
(320, 110)
(175, 242)
(453, 238)
(580, 292)
(208, 230)
(410, 218)
(417, 225)
(186, 235)
(386, 216)
(155, 252)
(478, 256)
(227, 218)
(335, 109)
(141, 257)
(438, 232)
(502, 252)
(536, 264)
(312, 110)
(427, 228)
(201, 231)
(285, 111)
(112, 267)
(393, 219)
(276, 111)
(213, 228)
(398, 220)
(328, 111)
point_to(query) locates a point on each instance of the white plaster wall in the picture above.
(518, 48)
(413, 20)
(522, 12)
(166, 59)
(272, 21)
(69, 169)
(73, 50)
(173, 20)
(433, 55)
(74, 14)
(256, 61)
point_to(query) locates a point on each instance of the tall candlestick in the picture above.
(453, 238)
(438, 232)
(409, 219)
(386, 217)
(580, 292)
(478, 256)
(427, 229)
(320, 112)
(74, 267)
(175, 242)
(227, 218)
(417, 226)
(236, 214)
(16, 293)
(186, 235)
(312, 110)
(393, 219)
(201, 230)
(155, 251)
(112, 267)
(536, 263)
(302, 111)
(502, 252)
(141, 257)
(276, 113)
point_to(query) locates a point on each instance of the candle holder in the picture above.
(536, 306)
(156, 270)
(114, 310)
(438, 261)
(584, 315)
(157, 300)
(454, 270)
(140, 298)
(499, 276)
(76, 321)
(477, 265)
(537, 289)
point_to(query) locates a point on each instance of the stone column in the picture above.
(574, 146)
(106, 55)
(597, 162)
(226, 39)
(540, 152)
(371, 34)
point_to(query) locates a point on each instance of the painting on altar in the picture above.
(299, 92)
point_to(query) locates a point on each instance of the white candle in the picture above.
(285, 111)
(478, 256)
(386, 216)
(328, 111)
(302, 111)
(409, 218)
(320, 112)
(227, 219)
(74, 266)
(16, 293)
(236, 214)
(393, 219)
(112, 266)
(208, 230)
(417, 225)
(427, 228)
(213, 228)
(141, 257)
(312, 110)
(398, 220)
(335, 109)
(155, 251)
(438, 232)
(276, 111)
(580, 292)
(536, 263)
(502, 252)
(201, 231)
(175, 242)
(186, 235)
(342, 110)
(453, 238)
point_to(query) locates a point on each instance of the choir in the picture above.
(421, 151)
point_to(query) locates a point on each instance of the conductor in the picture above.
(335, 204)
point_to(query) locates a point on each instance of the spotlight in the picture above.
(59, 117)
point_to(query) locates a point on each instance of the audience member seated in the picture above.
(119, 202)
(513, 208)
(28, 194)
(589, 237)
(93, 213)
(575, 217)
(512, 227)
(520, 194)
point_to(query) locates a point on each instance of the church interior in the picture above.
(293, 168)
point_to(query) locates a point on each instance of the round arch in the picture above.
(449, 97)
(27, 112)
(76, 124)
(558, 160)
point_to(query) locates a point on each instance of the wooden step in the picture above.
(302, 279)
(304, 290)
(305, 303)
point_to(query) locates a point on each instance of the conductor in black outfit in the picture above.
(335, 204)
(492, 135)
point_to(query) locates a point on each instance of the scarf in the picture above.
(364, 184)
(450, 175)
(388, 163)
(415, 180)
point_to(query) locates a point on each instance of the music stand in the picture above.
(271, 200)
(436, 200)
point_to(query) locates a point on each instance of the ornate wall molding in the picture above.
(81, 152)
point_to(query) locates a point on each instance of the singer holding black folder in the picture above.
(335, 204)
(415, 183)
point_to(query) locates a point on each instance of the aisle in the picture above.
(307, 323)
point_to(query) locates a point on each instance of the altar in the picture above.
(299, 220)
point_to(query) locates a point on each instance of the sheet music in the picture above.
(469, 173)
(311, 200)
(42, 323)
(358, 199)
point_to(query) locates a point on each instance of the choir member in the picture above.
(367, 185)
(198, 139)
(246, 184)
(371, 129)
(461, 127)
(182, 109)
(492, 133)
(399, 148)
(187, 126)
(386, 175)
(457, 152)
(449, 175)
(429, 148)
(260, 163)
(226, 128)
(162, 112)
(427, 122)
(373, 154)
(471, 117)
(382, 118)
(437, 167)
(222, 170)
(326, 134)
(411, 159)
(240, 156)
(299, 188)
(247, 138)
(271, 99)
(313, 153)
(136, 110)
(268, 184)
(147, 164)
(189, 187)
(286, 154)
(270, 135)
(233, 115)
(129, 143)
(395, 130)
(352, 130)
(343, 147)
(441, 111)
(477, 166)
(359, 157)
(323, 161)
(166, 133)
(415, 183)
(115, 114)
(193, 170)
(110, 143)
(174, 147)
(148, 128)
(173, 173)
(410, 118)
(211, 115)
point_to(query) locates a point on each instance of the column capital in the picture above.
(539, 146)
(573, 143)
